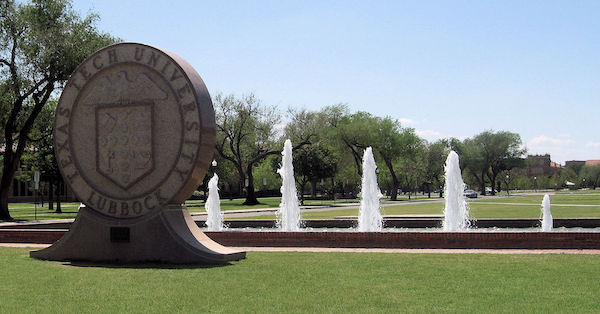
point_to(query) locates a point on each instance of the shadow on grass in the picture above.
(144, 265)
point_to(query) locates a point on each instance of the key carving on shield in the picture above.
(124, 142)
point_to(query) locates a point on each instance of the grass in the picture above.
(516, 206)
(265, 202)
(309, 282)
(27, 211)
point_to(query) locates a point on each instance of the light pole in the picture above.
(507, 182)
(535, 184)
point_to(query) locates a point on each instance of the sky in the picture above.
(444, 68)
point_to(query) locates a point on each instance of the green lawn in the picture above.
(309, 283)
(513, 207)
(26, 211)
(516, 206)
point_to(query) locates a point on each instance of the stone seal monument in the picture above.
(134, 135)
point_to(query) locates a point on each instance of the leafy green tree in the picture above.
(434, 159)
(502, 151)
(41, 44)
(355, 134)
(313, 163)
(391, 142)
(488, 154)
(413, 168)
(591, 174)
(40, 154)
(472, 162)
(247, 134)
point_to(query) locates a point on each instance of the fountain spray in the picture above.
(546, 214)
(369, 218)
(456, 211)
(214, 218)
(289, 211)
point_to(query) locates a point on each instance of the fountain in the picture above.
(369, 218)
(401, 232)
(456, 211)
(546, 214)
(289, 211)
(214, 218)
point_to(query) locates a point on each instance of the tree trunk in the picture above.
(4, 213)
(313, 188)
(482, 182)
(58, 192)
(250, 195)
(50, 195)
(230, 191)
(332, 189)
(302, 185)
(395, 182)
(8, 175)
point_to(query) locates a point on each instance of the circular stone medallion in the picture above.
(134, 130)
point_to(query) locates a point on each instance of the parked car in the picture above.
(470, 194)
(489, 190)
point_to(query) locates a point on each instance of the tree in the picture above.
(353, 132)
(246, 135)
(313, 163)
(40, 153)
(488, 154)
(471, 159)
(435, 156)
(413, 168)
(502, 151)
(591, 175)
(392, 142)
(41, 44)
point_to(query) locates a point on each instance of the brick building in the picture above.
(541, 165)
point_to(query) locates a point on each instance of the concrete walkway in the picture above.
(363, 250)
(241, 213)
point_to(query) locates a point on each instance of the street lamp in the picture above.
(535, 184)
(214, 163)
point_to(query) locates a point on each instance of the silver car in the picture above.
(470, 194)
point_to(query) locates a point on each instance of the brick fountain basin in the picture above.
(50, 232)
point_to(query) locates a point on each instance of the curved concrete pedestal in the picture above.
(170, 236)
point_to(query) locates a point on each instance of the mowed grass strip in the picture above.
(516, 206)
(477, 210)
(309, 282)
(559, 198)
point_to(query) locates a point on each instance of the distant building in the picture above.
(575, 163)
(22, 191)
(592, 162)
(581, 163)
(541, 165)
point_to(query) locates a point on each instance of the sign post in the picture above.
(36, 187)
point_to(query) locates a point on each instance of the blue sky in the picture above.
(445, 68)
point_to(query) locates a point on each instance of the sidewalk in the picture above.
(363, 250)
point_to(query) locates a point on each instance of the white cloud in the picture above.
(405, 121)
(543, 140)
(432, 135)
(560, 149)
(593, 144)
(280, 128)
(429, 134)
